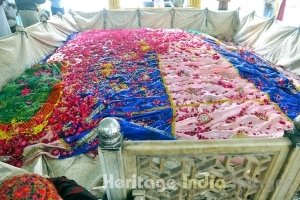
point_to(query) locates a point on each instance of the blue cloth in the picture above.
(279, 87)
(129, 130)
(141, 101)
(138, 99)
(133, 131)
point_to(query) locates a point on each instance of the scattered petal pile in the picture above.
(161, 83)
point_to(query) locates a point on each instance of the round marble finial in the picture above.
(109, 127)
(109, 133)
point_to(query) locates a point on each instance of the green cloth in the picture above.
(23, 97)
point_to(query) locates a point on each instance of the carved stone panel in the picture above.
(203, 177)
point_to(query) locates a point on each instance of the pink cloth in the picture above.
(211, 100)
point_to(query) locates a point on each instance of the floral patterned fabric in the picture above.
(282, 90)
(159, 84)
(109, 78)
(25, 107)
(25, 99)
(28, 187)
(212, 100)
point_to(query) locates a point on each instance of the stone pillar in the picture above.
(114, 4)
(289, 181)
(111, 161)
(194, 3)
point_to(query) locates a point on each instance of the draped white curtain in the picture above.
(271, 39)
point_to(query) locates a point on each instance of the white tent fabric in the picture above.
(78, 168)
(21, 50)
(88, 21)
(252, 30)
(8, 171)
(285, 44)
(66, 24)
(5, 29)
(189, 19)
(17, 53)
(222, 25)
(272, 40)
(156, 18)
(116, 19)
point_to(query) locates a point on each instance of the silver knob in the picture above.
(110, 136)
